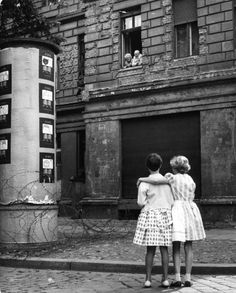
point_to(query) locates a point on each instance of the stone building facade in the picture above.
(180, 100)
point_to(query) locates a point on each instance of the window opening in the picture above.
(81, 61)
(186, 30)
(131, 34)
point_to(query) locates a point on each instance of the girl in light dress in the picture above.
(187, 220)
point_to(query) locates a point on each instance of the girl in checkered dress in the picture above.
(154, 226)
(187, 220)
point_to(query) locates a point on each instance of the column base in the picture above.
(28, 224)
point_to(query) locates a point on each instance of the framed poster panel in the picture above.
(5, 113)
(47, 170)
(46, 99)
(5, 79)
(46, 64)
(5, 148)
(46, 133)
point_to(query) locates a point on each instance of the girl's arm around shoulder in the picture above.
(152, 181)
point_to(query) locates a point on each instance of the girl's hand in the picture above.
(138, 182)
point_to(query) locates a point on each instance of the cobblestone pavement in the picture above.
(14, 280)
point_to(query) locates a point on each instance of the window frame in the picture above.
(189, 41)
(188, 19)
(131, 12)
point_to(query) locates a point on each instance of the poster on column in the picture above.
(5, 148)
(5, 113)
(46, 168)
(46, 65)
(46, 99)
(46, 133)
(5, 79)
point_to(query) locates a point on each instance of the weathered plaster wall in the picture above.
(103, 170)
(218, 147)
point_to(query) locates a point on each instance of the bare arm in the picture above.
(152, 181)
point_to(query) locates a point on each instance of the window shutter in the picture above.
(185, 11)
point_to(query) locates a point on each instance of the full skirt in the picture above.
(187, 222)
(154, 228)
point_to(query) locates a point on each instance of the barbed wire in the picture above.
(41, 230)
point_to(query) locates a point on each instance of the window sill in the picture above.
(193, 57)
(131, 68)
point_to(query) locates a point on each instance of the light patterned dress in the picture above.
(187, 220)
(154, 226)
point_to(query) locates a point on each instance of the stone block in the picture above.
(156, 40)
(145, 7)
(215, 48)
(155, 50)
(104, 60)
(226, 6)
(202, 11)
(201, 21)
(214, 18)
(215, 28)
(156, 22)
(200, 3)
(217, 57)
(155, 5)
(227, 46)
(104, 76)
(157, 31)
(228, 15)
(227, 25)
(104, 43)
(213, 38)
(214, 8)
(155, 13)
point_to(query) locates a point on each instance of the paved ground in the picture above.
(112, 240)
(14, 280)
(93, 242)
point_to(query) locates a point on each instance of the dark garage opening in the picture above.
(168, 135)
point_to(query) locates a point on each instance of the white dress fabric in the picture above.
(187, 220)
(154, 226)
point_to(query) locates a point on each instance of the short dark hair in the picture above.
(153, 162)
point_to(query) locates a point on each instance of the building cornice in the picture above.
(157, 86)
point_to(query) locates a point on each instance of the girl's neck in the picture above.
(154, 172)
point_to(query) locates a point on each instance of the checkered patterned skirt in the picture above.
(154, 228)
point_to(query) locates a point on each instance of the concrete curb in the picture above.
(109, 266)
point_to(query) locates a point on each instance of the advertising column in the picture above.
(28, 193)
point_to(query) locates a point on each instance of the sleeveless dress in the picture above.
(187, 220)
